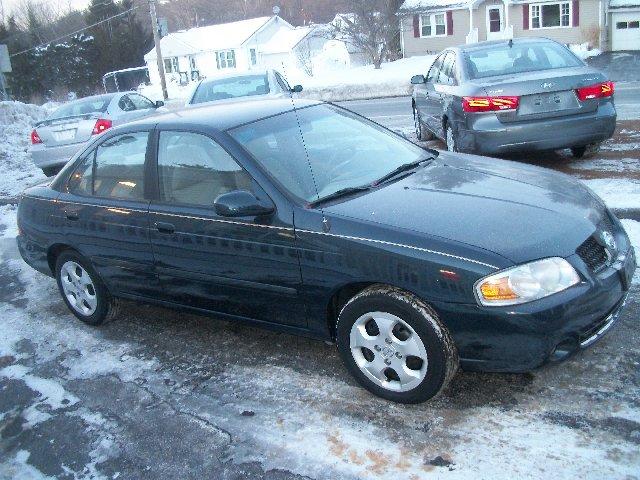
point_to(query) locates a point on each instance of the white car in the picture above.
(269, 83)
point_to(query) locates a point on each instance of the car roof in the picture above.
(223, 76)
(227, 115)
(516, 41)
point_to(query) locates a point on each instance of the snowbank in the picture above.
(582, 50)
(17, 171)
(354, 83)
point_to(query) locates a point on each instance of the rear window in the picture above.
(97, 104)
(233, 87)
(497, 60)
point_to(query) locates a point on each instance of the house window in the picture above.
(226, 59)
(495, 24)
(167, 65)
(254, 57)
(433, 25)
(171, 65)
(550, 15)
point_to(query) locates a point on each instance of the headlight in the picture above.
(527, 282)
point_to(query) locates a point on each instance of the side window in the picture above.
(283, 83)
(119, 166)
(432, 76)
(193, 169)
(81, 180)
(445, 70)
(140, 102)
(126, 104)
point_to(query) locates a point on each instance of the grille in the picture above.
(593, 254)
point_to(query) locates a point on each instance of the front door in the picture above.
(242, 266)
(495, 22)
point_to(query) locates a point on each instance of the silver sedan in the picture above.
(57, 138)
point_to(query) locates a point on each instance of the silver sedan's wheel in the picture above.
(388, 351)
(416, 123)
(78, 288)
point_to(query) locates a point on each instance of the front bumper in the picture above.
(44, 156)
(523, 337)
(486, 134)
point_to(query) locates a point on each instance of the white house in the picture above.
(257, 43)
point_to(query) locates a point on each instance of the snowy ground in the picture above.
(163, 394)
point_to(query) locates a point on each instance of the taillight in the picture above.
(599, 90)
(35, 138)
(101, 125)
(489, 104)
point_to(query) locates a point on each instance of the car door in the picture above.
(242, 266)
(443, 89)
(427, 91)
(104, 211)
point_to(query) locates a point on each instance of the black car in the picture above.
(315, 221)
(504, 96)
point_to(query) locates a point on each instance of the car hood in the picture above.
(517, 211)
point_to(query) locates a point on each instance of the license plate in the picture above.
(64, 135)
(548, 102)
(627, 270)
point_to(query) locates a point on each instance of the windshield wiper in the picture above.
(405, 167)
(340, 193)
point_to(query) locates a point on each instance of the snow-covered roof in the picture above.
(624, 3)
(418, 6)
(285, 40)
(211, 37)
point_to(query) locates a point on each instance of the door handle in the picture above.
(71, 216)
(163, 227)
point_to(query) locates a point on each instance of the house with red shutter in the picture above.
(428, 26)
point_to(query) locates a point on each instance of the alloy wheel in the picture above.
(78, 288)
(388, 351)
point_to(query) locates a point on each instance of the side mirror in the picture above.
(418, 79)
(240, 203)
(159, 104)
(296, 89)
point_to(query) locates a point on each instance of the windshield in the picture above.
(244, 86)
(97, 104)
(344, 150)
(504, 60)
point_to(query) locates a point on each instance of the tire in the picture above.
(83, 291)
(451, 138)
(51, 171)
(586, 150)
(422, 133)
(402, 334)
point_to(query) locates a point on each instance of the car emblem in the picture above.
(547, 85)
(608, 242)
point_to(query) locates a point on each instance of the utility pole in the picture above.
(156, 39)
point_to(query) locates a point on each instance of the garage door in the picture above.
(625, 31)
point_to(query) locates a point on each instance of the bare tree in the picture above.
(370, 27)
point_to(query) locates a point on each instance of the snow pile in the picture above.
(334, 57)
(617, 193)
(17, 171)
(583, 51)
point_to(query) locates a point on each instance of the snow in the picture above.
(17, 171)
(284, 41)
(424, 5)
(623, 3)
(584, 51)
(617, 193)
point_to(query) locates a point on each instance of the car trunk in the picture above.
(57, 132)
(543, 94)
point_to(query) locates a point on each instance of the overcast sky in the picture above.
(63, 5)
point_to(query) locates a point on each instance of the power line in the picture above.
(74, 33)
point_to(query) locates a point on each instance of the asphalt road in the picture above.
(396, 113)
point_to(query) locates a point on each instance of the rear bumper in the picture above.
(44, 156)
(485, 134)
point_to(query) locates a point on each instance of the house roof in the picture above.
(212, 37)
(624, 3)
(420, 6)
(286, 40)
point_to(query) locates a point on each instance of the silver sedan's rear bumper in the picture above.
(44, 156)
(487, 135)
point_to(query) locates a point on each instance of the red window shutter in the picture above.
(576, 13)
(525, 16)
(416, 26)
(449, 22)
